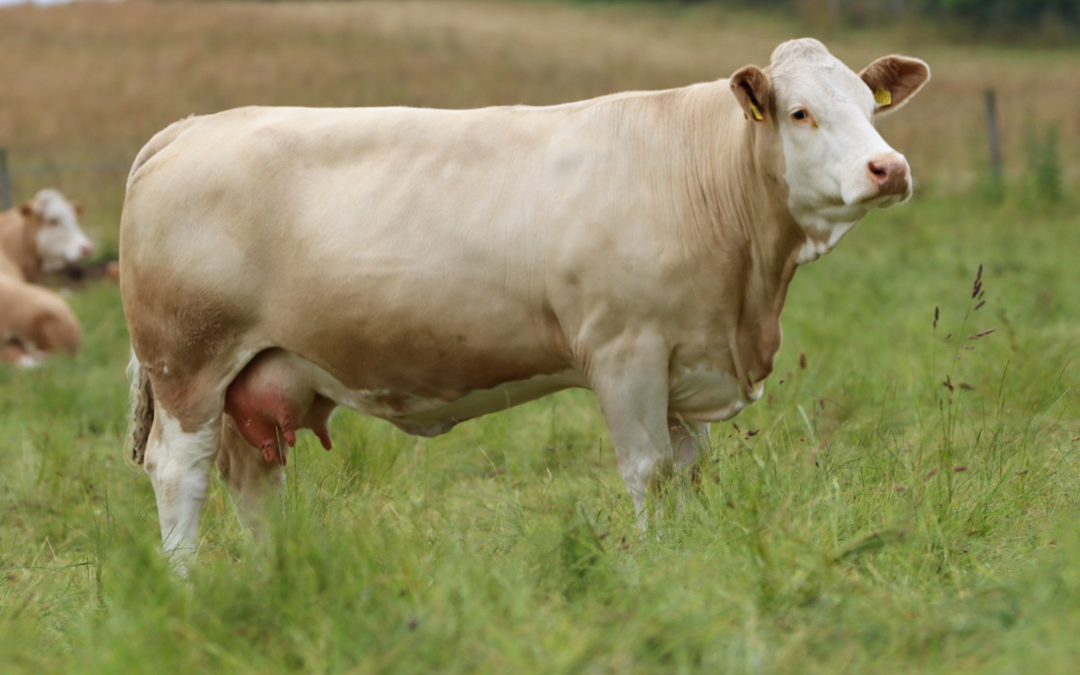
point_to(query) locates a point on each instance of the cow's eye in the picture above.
(800, 115)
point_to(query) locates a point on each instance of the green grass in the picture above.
(863, 518)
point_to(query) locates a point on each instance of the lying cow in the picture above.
(42, 235)
(431, 266)
(34, 322)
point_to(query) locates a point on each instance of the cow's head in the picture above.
(837, 166)
(54, 228)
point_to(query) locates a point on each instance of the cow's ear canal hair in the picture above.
(753, 90)
(894, 80)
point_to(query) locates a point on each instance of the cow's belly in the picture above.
(707, 394)
(279, 392)
(430, 417)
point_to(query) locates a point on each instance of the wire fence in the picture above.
(52, 173)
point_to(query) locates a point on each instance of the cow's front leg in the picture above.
(631, 384)
(687, 440)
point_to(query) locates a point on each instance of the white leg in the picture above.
(178, 463)
(251, 479)
(631, 385)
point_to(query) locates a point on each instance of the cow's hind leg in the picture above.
(251, 479)
(178, 460)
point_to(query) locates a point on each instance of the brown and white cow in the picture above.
(42, 235)
(34, 323)
(431, 266)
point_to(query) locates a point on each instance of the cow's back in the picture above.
(392, 247)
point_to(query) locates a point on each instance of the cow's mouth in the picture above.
(884, 201)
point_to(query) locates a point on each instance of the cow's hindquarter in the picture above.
(183, 290)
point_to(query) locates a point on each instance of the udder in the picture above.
(271, 399)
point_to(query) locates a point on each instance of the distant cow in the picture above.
(42, 235)
(34, 322)
(431, 266)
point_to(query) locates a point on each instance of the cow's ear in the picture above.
(78, 207)
(753, 90)
(27, 209)
(894, 80)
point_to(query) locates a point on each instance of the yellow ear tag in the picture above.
(883, 97)
(757, 113)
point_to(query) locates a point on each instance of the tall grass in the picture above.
(866, 517)
(903, 500)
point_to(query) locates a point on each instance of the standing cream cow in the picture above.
(431, 266)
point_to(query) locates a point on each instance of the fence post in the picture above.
(992, 138)
(5, 182)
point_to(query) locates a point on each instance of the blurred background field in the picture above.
(86, 85)
(904, 500)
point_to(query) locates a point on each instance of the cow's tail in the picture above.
(142, 409)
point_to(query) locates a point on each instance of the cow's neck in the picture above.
(754, 235)
(17, 244)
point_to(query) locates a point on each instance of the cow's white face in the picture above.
(59, 239)
(836, 165)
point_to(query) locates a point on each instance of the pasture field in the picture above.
(904, 500)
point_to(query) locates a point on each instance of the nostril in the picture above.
(889, 175)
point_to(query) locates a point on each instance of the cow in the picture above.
(38, 237)
(431, 266)
(34, 323)
(41, 236)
